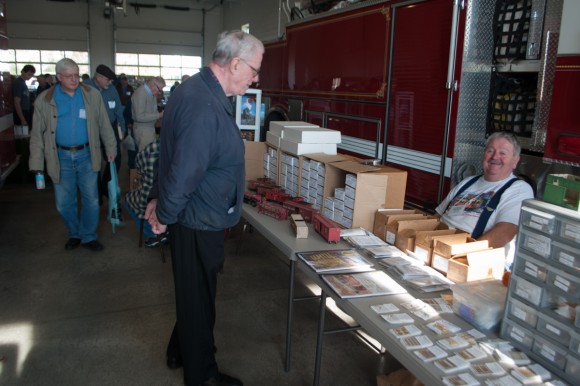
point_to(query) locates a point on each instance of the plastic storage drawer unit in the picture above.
(555, 329)
(518, 311)
(550, 352)
(538, 220)
(570, 230)
(575, 342)
(566, 254)
(532, 267)
(527, 290)
(573, 368)
(535, 243)
(518, 334)
(564, 282)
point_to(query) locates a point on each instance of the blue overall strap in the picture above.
(489, 209)
(462, 189)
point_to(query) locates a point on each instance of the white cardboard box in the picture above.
(273, 139)
(311, 135)
(307, 148)
(277, 127)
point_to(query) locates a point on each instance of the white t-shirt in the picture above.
(464, 211)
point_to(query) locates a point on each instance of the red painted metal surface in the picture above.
(338, 66)
(563, 135)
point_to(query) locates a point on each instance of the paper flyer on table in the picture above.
(334, 260)
(361, 284)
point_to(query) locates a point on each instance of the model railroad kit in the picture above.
(271, 200)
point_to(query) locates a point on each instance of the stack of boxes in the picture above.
(270, 164)
(312, 182)
(290, 173)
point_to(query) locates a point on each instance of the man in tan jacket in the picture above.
(70, 121)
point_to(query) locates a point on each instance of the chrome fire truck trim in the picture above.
(430, 163)
(360, 146)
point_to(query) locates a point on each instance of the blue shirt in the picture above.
(71, 120)
(112, 104)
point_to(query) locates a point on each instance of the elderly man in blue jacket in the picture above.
(201, 188)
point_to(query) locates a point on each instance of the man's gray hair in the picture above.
(233, 44)
(507, 136)
(66, 64)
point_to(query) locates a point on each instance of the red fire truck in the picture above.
(419, 84)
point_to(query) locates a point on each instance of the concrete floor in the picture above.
(85, 318)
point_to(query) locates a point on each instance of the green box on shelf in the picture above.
(563, 190)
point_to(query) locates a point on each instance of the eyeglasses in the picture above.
(256, 70)
(70, 76)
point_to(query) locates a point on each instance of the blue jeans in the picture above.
(76, 173)
(147, 231)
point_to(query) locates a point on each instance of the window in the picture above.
(170, 67)
(43, 60)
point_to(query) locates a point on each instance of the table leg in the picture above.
(290, 314)
(321, 315)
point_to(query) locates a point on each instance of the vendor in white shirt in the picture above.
(465, 203)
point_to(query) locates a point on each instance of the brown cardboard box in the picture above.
(299, 226)
(478, 265)
(376, 187)
(425, 240)
(382, 218)
(407, 230)
(450, 246)
(254, 157)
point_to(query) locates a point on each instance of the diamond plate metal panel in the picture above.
(474, 90)
(475, 84)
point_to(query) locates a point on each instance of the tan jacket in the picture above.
(43, 133)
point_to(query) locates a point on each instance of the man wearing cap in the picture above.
(102, 81)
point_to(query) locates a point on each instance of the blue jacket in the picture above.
(201, 164)
(112, 104)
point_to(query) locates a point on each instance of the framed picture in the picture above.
(249, 114)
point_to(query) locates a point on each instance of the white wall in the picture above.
(81, 25)
(263, 17)
(570, 29)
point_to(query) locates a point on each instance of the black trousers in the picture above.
(197, 257)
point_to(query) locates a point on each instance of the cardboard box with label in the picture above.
(449, 246)
(406, 231)
(478, 265)
(425, 240)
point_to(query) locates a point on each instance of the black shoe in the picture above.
(174, 362)
(117, 217)
(94, 246)
(223, 380)
(152, 242)
(72, 243)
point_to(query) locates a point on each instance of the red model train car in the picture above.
(326, 227)
(252, 198)
(303, 208)
(273, 210)
(262, 183)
